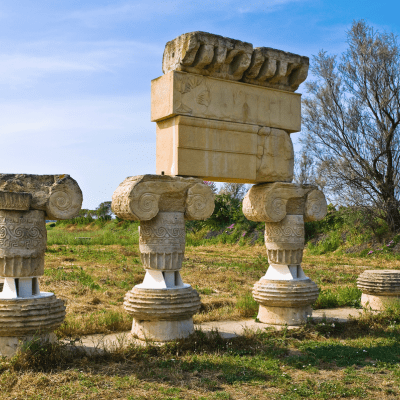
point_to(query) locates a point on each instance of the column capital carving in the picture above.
(271, 202)
(58, 195)
(141, 197)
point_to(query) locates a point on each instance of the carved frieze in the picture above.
(162, 241)
(207, 54)
(276, 69)
(284, 240)
(15, 201)
(23, 239)
(220, 57)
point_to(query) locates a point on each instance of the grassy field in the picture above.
(359, 359)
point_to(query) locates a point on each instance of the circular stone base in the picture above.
(379, 303)
(22, 317)
(284, 315)
(162, 331)
(10, 345)
(177, 304)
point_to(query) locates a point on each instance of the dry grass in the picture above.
(315, 362)
(93, 281)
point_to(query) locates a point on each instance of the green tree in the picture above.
(351, 119)
(104, 210)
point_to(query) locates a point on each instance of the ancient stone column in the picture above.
(26, 201)
(380, 289)
(285, 293)
(162, 306)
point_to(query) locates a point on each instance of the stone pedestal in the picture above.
(285, 293)
(162, 306)
(26, 313)
(380, 289)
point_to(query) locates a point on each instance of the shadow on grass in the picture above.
(343, 356)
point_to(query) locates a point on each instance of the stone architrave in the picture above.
(26, 201)
(223, 151)
(179, 93)
(285, 293)
(162, 306)
(380, 289)
(225, 111)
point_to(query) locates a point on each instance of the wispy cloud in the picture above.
(33, 60)
(143, 10)
(131, 10)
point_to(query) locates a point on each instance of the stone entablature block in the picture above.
(213, 55)
(223, 151)
(178, 93)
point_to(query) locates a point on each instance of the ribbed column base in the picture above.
(380, 282)
(162, 304)
(285, 301)
(30, 316)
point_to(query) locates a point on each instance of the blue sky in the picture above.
(75, 75)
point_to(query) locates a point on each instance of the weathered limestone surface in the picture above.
(178, 93)
(222, 151)
(207, 54)
(212, 126)
(271, 202)
(141, 197)
(23, 238)
(212, 55)
(15, 201)
(285, 293)
(10, 345)
(25, 203)
(276, 69)
(380, 288)
(162, 306)
(162, 241)
(23, 317)
(58, 195)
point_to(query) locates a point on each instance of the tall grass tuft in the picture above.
(341, 297)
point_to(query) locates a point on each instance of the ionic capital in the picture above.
(58, 195)
(141, 197)
(271, 202)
